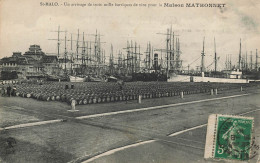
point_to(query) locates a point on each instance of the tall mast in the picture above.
(149, 57)
(132, 56)
(139, 61)
(167, 51)
(99, 52)
(256, 61)
(230, 62)
(71, 53)
(239, 59)
(90, 57)
(58, 43)
(135, 58)
(128, 57)
(111, 60)
(246, 62)
(104, 59)
(170, 46)
(65, 53)
(152, 56)
(87, 57)
(226, 63)
(95, 46)
(215, 58)
(176, 51)
(78, 46)
(251, 61)
(71, 41)
(179, 54)
(202, 57)
(146, 56)
(173, 57)
(119, 60)
(83, 50)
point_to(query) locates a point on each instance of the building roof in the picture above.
(62, 60)
(34, 50)
(49, 59)
(8, 60)
(17, 54)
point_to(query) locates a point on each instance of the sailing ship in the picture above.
(231, 75)
(81, 66)
(88, 62)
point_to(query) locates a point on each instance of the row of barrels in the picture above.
(88, 93)
(92, 99)
(108, 87)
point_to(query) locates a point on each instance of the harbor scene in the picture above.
(133, 82)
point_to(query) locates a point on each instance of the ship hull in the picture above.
(77, 79)
(187, 78)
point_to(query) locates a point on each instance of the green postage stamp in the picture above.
(229, 137)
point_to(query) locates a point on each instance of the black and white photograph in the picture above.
(129, 81)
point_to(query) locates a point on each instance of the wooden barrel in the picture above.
(108, 99)
(90, 100)
(99, 100)
(53, 98)
(94, 100)
(80, 101)
(58, 97)
(104, 98)
(39, 97)
(44, 97)
(112, 98)
(121, 98)
(48, 98)
(85, 101)
(63, 98)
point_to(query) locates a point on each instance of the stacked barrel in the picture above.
(92, 93)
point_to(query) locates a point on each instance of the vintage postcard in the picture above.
(129, 81)
(229, 137)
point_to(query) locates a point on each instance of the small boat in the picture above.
(77, 79)
(56, 78)
(94, 79)
(112, 79)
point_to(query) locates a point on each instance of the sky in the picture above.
(23, 23)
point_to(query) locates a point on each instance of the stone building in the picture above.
(32, 64)
(35, 52)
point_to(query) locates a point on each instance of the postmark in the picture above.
(229, 137)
